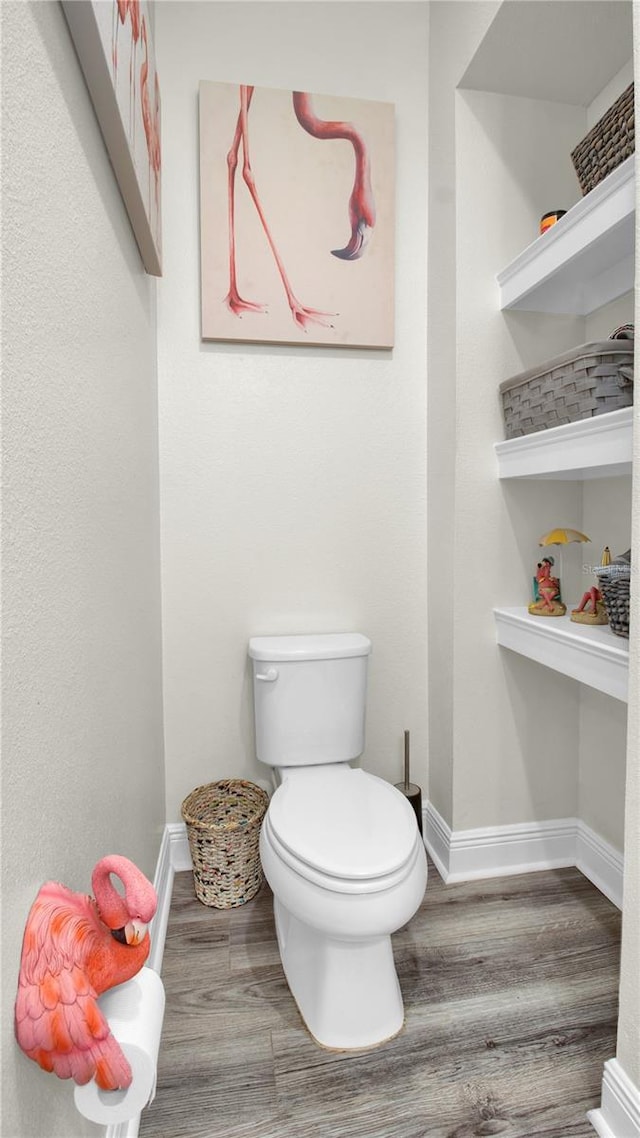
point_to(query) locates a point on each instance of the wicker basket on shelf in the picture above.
(223, 822)
(589, 380)
(614, 582)
(610, 141)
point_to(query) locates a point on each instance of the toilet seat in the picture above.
(343, 829)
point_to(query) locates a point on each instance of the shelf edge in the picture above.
(572, 653)
(587, 448)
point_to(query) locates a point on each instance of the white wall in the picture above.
(292, 480)
(454, 33)
(82, 763)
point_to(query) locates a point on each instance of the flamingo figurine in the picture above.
(74, 948)
(362, 213)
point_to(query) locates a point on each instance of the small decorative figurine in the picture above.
(546, 591)
(75, 948)
(549, 219)
(591, 609)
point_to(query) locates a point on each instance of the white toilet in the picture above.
(340, 848)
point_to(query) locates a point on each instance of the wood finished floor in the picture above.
(510, 991)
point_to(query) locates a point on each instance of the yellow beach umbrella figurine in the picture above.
(547, 599)
(562, 537)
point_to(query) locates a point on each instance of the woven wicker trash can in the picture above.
(223, 822)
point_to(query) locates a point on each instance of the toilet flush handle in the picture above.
(268, 676)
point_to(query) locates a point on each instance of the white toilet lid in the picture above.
(344, 822)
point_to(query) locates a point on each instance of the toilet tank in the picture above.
(309, 696)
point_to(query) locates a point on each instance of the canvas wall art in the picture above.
(296, 217)
(113, 40)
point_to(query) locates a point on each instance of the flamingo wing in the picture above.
(58, 1022)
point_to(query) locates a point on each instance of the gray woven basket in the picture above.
(614, 583)
(610, 141)
(589, 380)
(223, 822)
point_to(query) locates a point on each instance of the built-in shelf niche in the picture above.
(583, 261)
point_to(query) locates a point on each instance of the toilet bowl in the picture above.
(340, 847)
(341, 886)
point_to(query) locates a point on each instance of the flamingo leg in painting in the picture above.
(301, 314)
(234, 302)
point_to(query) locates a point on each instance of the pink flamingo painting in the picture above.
(74, 948)
(122, 9)
(361, 208)
(150, 120)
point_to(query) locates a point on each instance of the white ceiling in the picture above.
(564, 51)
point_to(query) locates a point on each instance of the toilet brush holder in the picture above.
(411, 792)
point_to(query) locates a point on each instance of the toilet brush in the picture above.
(408, 788)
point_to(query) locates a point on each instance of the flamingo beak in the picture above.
(359, 239)
(135, 932)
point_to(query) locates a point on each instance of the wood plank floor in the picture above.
(510, 990)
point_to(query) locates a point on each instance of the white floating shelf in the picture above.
(585, 260)
(600, 447)
(592, 655)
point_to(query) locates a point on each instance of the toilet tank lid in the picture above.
(321, 646)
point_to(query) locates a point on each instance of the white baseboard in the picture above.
(180, 856)
(600, 862)
(173, 858)
(619, 1112)
(494, 851)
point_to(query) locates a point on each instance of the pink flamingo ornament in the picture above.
(75, 948)
(362, 212)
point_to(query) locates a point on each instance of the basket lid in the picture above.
(622, 348)
(344, 822)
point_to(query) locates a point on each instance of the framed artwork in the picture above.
(113, 41)
(296, 217)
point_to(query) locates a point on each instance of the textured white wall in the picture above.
(455, 30)
(82, 764)
(292, 481)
